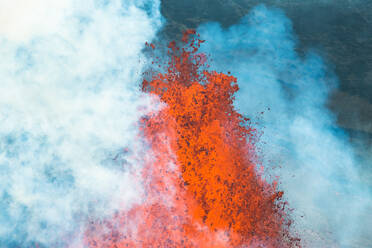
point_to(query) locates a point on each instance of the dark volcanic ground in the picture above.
(340, 30)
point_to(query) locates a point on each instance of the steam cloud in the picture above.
(69, 103)
(317, 167)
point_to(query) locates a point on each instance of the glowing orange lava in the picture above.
(202, 188)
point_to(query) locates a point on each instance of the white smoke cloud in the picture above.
(21, 20)
(318, 168)
(69, 104)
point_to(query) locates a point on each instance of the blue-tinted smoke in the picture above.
(317, 166)
(69, 104)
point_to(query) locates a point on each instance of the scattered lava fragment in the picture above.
(202, 188)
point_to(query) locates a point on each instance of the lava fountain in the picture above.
(202, 187)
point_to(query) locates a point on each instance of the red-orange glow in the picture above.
(202, 188)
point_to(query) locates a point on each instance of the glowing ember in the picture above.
(202, 188)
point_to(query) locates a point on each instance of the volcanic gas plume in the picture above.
(100, 148)
(202, 185)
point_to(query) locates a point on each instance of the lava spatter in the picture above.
(202, 188)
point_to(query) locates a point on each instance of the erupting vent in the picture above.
(202, 187)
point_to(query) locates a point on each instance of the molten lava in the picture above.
(202, 188)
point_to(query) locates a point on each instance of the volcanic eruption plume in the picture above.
(202, 186)
(100, 148)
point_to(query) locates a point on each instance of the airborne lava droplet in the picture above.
(201, 187)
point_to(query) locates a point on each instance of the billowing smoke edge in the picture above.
(69, 106)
